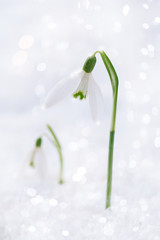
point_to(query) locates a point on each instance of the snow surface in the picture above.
(32, 208)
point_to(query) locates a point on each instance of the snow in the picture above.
(33, 208)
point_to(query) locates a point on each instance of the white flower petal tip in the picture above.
(96, 101)
(45, 105)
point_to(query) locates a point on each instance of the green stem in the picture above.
(114, 83)
(110, 164)
(59, 149)
(49, 139)
(61, 168)
(110, 153)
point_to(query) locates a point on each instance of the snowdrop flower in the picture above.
(38, 159)
(80, 84)
(88, 86)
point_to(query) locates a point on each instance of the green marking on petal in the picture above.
(80, 95)
(31, 164)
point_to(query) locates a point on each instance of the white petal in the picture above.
(82, 88)
(95, 100)
(40, 163)
(63, 88)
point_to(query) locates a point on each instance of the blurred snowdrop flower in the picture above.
(80, 84)
(38, 160)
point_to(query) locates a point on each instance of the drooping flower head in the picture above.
(37, 148)
(84, 84)
(38, 159)
(82, 89)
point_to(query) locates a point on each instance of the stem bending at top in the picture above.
(114, 83)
